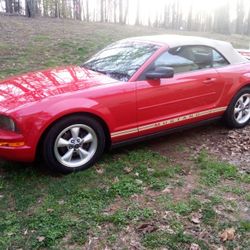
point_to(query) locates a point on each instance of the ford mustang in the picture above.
(133, 89)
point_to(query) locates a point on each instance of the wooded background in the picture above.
(228, 16)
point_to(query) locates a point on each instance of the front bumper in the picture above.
(14, 148)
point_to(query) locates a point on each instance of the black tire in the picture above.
(53, 154)
(229, 116)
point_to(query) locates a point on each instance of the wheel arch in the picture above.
(234, 91)
(227, 115)
(89, 114)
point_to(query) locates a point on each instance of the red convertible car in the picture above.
(131, 90)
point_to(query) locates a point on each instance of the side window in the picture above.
(176, 59)
(190, 58)
(218, 60)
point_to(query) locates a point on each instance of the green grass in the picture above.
(209, 216)
(122, 217)
(212, 172)
(174, 241)
(33, 200)
(184, 207)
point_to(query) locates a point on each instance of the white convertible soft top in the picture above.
(225, 48)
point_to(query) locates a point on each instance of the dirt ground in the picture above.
(228, 145)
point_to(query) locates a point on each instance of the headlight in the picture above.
(7, 123)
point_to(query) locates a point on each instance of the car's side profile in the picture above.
(133, 89)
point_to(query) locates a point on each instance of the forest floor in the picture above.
(189, 190)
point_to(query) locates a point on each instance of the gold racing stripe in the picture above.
(167, 122)
(124, 132)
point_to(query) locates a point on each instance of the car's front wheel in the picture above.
(73, 144)
(238, 112)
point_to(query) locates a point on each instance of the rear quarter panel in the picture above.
(235, 78)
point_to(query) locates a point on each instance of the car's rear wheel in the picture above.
(238, 112)
(74, 143)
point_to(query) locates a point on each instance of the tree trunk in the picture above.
(30, 8)
(17, 6)
(87, 10)
(137, 20)
(240, 17)
(102, 11)
(222, 19)
(120, 11)
(166, 15)
(57, 12)
(9, 6)
(115, 11)
(248, 23)
(190, 18)
(126, 12)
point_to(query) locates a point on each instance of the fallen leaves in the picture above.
(194, 246)
(138, 182)
(50, 210)
(61, 202)
(196, 218)
(228, 234)
(221, 248)
(100, 171)
(147, 228)
(166, 191)
(40, 238)
(127, 170)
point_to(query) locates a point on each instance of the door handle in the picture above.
(209, 80)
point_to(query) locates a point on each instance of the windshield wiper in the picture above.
(119, 75)
(93, 69)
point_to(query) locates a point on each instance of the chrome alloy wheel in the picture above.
(242, 109)
(75, 145)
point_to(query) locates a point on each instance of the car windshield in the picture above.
(121, 60)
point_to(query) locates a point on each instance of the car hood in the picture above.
(32, 87)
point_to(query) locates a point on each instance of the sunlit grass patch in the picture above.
(212, 171)
(54, 206)
(175, 241)
(125, 217)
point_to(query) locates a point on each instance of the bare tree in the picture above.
(248, 24)
(166, 15)
(120, 11)
(222, 19)
(102, 10)
(8, 6)
(31, 8)
(115, 10)
(125, 17)
(137, 21)
(190, 18)
(240, 17)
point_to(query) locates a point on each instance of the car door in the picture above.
(191, 95)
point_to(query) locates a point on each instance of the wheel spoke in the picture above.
(68, 156)
(239, 117)
(83, 153)
(75, 132)
(87, 138)
(237, 110)
(246, 112)
(247, 101)
(62, 143)
(241, 100)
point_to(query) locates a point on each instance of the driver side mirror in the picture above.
(160, 72)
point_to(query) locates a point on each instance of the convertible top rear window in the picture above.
(122, 59)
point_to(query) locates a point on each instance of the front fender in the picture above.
(35, 120)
